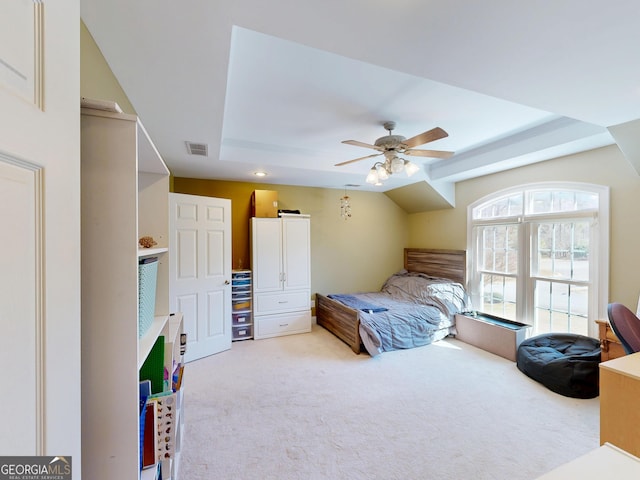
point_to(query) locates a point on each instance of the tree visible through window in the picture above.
(537, 256)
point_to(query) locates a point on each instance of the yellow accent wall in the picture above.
(346, 255)
(603, 166)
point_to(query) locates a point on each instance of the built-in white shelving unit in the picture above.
(125, 187)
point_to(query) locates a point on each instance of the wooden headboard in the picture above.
(450, 264)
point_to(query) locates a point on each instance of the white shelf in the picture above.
(174, 327)
(147, 252)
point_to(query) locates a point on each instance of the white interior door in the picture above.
(40, 216)
(200, 271)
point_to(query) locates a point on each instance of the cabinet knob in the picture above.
(226, 282)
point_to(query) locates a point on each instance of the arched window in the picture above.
(539, 254)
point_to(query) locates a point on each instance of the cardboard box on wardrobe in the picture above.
(264, 203)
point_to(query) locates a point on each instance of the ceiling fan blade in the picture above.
(429, 153)
(426, 137)
(356, 160)
(361, 144)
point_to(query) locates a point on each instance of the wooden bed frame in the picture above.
(343, 321)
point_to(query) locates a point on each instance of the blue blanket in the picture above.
(353, 302)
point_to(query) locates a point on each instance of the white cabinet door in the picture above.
(200, 271)
(266, 260)
(296, 253)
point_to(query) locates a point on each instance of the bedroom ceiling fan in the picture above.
(391, 145)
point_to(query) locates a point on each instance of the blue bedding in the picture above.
(358, 303)
(411, 310)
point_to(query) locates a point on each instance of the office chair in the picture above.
(626, 326)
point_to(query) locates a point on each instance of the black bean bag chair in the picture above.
(565, 363)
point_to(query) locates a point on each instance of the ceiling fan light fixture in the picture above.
(372, 178)
(410, 168)
(397, 164)
(390, 146)
(382, 172)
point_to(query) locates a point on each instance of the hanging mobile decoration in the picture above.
(345, 206)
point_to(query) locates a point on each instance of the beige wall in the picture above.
(96, 79)
(604, 166)
(346, 256)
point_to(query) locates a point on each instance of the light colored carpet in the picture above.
(306, 407)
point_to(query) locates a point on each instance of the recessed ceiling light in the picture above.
(260, 174)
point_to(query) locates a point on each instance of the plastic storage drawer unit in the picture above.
(242, 332)
(241, 305)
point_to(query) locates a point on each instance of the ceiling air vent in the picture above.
(201, 149)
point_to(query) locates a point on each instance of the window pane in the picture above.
(548, 201)
(586, 201)
(499, 208)
(498, 296)
(540, 202)
(560, 307)
(563, 250)
(499, 249)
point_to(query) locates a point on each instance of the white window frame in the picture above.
(599, 246)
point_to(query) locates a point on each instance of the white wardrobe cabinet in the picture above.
(280, 260)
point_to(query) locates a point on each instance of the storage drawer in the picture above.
(239, 299)
(282, 301)
(241, 318)
(241, 290)
(242, 274)
(242, 332)
(241, 303)
(282, 324)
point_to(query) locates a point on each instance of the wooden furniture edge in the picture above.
(610, 345)
(340, 320)
(451, 264)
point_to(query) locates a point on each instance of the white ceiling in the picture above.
(276, 86)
